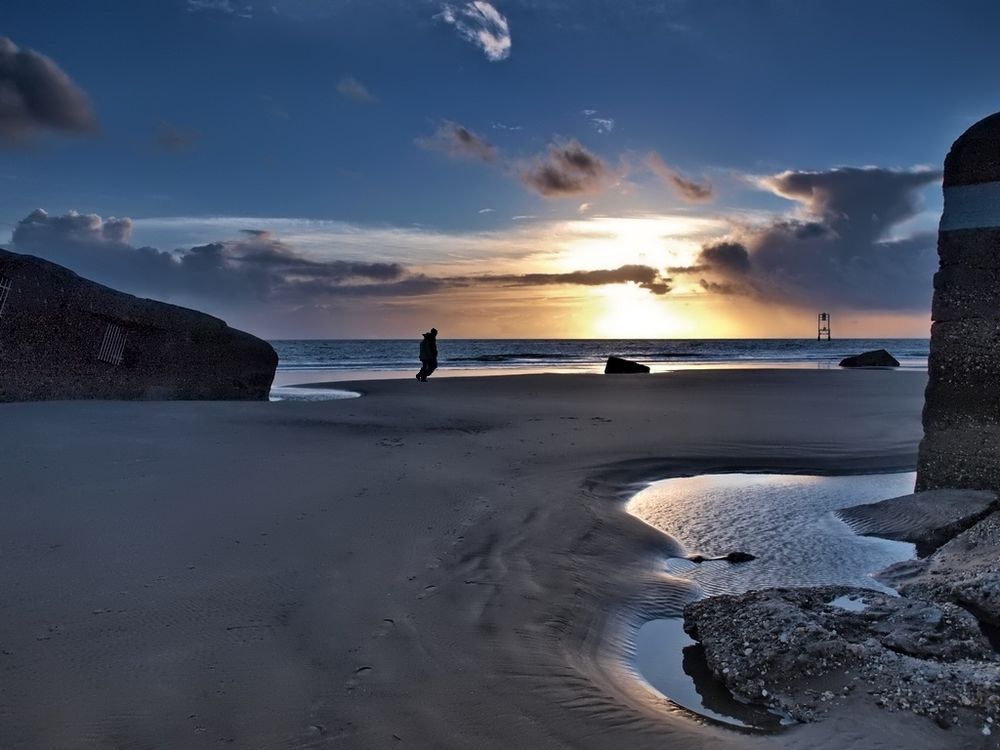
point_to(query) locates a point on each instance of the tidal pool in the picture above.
(789, 523)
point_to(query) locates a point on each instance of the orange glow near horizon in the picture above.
(629, 311)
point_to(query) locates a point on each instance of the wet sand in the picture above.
(439, 565)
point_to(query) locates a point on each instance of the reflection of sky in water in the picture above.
(788, 523)
(291, 393)
(675, 665)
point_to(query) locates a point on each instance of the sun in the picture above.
(627, 311)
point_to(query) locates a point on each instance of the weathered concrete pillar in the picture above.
(961, 445)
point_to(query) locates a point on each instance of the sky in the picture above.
(504, 169)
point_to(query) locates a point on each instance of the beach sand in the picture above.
(439, 565)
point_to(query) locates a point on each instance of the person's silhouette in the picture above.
(428, 355)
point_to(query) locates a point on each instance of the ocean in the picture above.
(303, 361)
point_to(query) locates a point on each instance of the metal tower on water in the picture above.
(823, 327)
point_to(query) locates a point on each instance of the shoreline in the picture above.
(291, 377)
(453, 570)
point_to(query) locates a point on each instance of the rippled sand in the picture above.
(439, 565)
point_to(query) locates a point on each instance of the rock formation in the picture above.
(805, 652)
(64, 337)
(965, 571)
(961, 445)
(619, 366)
(877, 358)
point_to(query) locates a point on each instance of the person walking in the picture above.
(428, 355)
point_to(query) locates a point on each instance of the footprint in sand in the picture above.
(384, 628)
(359, 675)
(428, 591)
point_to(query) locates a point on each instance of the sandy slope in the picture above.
(438, 565)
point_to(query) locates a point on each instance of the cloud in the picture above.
(274, 107)
(601, 124)
(731, 257)
(567, 169)
(838, 253)
(261, 276)
(645, 276)
(502, 126)
(353, 89)
(220, 6)
(483, 25)
(171, 138)
(690, 190)
(583, 208)
(256, 268)
(459, 142)
(36, 95)
(486, 210)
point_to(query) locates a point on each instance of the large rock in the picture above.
(804, 652)
(926, 519)
(962, 403)
(619, 366)
(876, 358)
(965, 571)
(64, 337)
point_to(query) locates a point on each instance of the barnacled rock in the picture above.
(965, 571)
(803, 651)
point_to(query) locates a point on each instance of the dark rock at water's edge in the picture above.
(64, 337)
(619, 366)
(805, 652)
(877, 358)
(925, 519)
(962, 402)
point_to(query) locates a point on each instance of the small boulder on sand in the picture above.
(619, 366)
(877, 358)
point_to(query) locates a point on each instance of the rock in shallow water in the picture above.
(801, 651)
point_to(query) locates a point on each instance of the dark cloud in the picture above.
(730, 257)
(257, 268)
(567, 169)
(459, 142)
(351, 88)
(841, 254)
(36, 95)
(688, 189)
(645, 276)
(174, 139)
(257, 272)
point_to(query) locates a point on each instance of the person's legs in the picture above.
(429, 367)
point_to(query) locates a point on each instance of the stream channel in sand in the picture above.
(788, 522)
